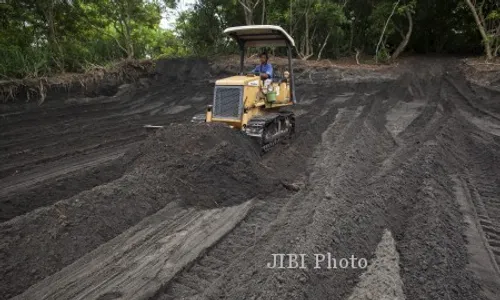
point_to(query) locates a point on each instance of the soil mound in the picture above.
(182, 69)
(199, 165)
(204, 165)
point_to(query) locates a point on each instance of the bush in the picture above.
(23, 62)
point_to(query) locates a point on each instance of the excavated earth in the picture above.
(399, 166)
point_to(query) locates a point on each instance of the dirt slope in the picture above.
(385, 161)
(196, 165)
(375, 150)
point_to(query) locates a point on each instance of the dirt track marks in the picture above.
(135, 264)
(362, 181)
(482, 260)
(304, 217)
(381, 280)
(53, 182)
(479, 183)
(34, 178)
(206, 276)
(207, 272)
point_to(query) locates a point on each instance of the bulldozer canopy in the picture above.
(260, 35)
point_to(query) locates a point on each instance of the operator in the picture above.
(264, 69)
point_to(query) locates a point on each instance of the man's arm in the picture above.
(268, 72)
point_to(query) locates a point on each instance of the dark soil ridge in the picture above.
(106, 81)
(61, 187)
(99, 81)
(196, 165)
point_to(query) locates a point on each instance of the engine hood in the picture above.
(239, 80)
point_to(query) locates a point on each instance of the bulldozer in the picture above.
(249, 103)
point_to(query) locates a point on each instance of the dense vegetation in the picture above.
(39, 37)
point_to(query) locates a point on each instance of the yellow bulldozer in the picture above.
(249, 103)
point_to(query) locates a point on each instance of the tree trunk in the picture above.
(497, 43)
(248, 8)
(351, 38)
(128, 34)
(323, 47)
(404, 42)
(53, 44)
(482, 31)
(263, 12)
(249, 17)
(358, 53)
(383, 30)
(306, 39)
(306, 47)
(123, 29)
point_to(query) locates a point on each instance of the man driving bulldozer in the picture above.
(265, 69)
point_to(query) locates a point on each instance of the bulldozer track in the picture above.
(272, 123)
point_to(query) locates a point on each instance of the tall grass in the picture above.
(23, 62)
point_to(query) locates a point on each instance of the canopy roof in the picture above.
(260, 35)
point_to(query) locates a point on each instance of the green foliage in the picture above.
(493, 15)
(403, 8)
(201, 30)
(18, 63)
(165, 44)
(41, 37)
(383, 55)
(378, 20)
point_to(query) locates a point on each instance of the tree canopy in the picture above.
(39, 37)
(335, 28)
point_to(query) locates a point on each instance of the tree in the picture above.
(122, 20)
(487, 18)
(249, 7)
(397, 12)
(408, 10)
(40, 37)
(382, 35)
(201, 30)
(494, 18)
(477, 12)
(49, 9)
